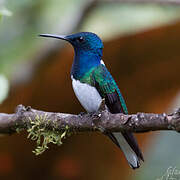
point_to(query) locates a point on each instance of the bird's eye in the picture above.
(80, 39)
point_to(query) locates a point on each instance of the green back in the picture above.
(100, 78)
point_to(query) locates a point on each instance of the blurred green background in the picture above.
(141, 49)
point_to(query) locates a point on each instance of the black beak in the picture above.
(54, 36)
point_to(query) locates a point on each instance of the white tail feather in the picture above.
(127, 150)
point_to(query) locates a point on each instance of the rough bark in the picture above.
(140, 122)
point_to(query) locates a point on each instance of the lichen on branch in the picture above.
(48, 127)
(43, 135)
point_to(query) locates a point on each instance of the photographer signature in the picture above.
(172, 173)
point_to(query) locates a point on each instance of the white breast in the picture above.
(87, 95)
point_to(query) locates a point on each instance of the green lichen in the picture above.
(43, 135)
(18, 130)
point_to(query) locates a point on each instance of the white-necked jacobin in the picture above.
(92, 82)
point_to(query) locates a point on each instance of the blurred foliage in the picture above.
(19, 33)
(19, 43)
(3, 10)
(30, 18)
(114, 19)
(163, 154)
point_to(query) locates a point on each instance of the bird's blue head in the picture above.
(86, 41)
(83, 41)
(88, 50)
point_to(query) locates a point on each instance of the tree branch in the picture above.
(140, 122)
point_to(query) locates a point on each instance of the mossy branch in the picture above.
(49, 127)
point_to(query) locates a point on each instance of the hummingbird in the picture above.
(92, 82)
